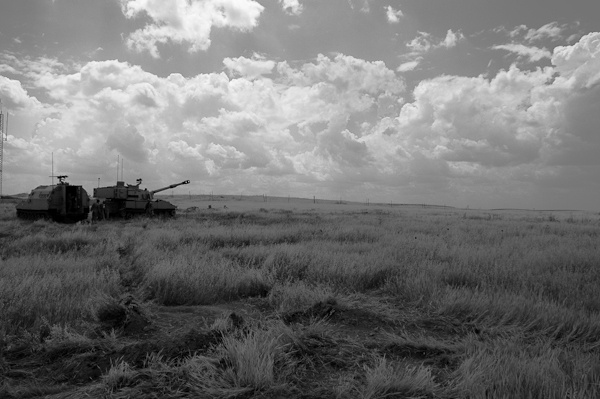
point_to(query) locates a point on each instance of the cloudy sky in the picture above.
(479, 103)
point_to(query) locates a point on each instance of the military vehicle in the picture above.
(128, 200)
(60, 202)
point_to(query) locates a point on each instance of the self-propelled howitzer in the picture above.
(128, 200)
(60, 202)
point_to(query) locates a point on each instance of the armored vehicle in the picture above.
(129, 200)
(61, 202)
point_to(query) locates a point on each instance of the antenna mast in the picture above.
(3, 138)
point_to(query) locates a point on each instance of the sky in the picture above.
(478, 103)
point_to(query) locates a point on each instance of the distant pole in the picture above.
(314, 200)
(98, 182)
(118, 167)
(52, 177)
(3, 138)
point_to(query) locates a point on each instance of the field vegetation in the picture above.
(265, 300)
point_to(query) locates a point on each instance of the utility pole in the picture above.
(3, 138)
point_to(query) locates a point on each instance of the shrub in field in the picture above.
(256, 361)
(291, 297)
(120, 375)
(386, 380)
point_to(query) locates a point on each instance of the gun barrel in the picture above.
(171, 186)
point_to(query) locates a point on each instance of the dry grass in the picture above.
(418, 302)
(385, 380)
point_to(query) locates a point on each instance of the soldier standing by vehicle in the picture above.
(149, 209)
(101, 211)
(105, 211)
(95, 210)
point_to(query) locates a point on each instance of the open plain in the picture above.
(275, 297)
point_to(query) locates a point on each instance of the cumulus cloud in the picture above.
(292, 7)
(249, 68)
(535, 126)
(268, 119)
(393, 15)
(451, 39)
(14, 96)
(579, 64)
(475, 120)
(335, 121)
(187, 22)
(425, 42)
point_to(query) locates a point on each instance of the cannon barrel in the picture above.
(168, 187)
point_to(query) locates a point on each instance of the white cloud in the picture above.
(14, 96)
(363, 4)
(187, 22)
(421, 43)
(410, 65)
(451, 39)
(580, 63)
(210, 125)
(531, 53)
(551, 30)
(249, 68)
(475, 120)
(350, 73)
(292, 7)
(393, 15)
(335, 124)
(425, 42)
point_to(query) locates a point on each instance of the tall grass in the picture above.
(52, 289)
(505, 368)
(385, 380)
(515, 294)
(201, 280)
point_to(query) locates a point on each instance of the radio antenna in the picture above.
(3, 138)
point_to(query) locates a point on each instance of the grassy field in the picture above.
(255, 298)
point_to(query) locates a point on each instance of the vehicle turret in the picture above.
(128, 200)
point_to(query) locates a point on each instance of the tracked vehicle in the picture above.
(129, 200)
(61, 202)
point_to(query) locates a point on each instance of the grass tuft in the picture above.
(385, 380)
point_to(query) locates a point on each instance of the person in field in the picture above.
(95, 211)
